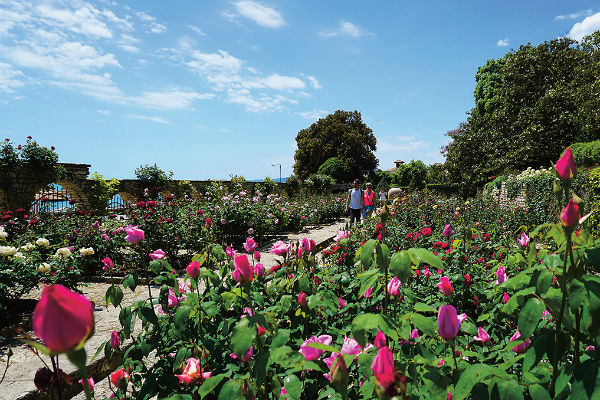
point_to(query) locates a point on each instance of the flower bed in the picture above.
(443, 310)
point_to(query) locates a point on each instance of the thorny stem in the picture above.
(54, 366)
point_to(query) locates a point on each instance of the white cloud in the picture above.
(149, 118)
(347, 29)
(262, 15)
(83, 20)
(170, 99)
(196, 30)
(586, 27)
(155, 27)
(314, 82)
(9, 78)
(127, 43)
(105, 112)
(575, 15)
(151, 24)
(279, 82)
(313, 114)
(503, 43)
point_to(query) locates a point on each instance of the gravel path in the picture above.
(18, 383)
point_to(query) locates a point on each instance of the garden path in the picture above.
(18, 382)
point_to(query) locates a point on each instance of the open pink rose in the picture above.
(310, 353)
(279, 248)
(134, 234)
(117, 376)
(193, 372)
(158, 255)
(243, 271)
(250, 245)
(482, 335)
(523, 240)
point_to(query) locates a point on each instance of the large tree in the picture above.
(529, 105)
(342, 134)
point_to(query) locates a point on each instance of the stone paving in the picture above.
(18, 382)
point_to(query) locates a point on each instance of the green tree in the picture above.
(336, 168)
(342, 134)
(529, 105)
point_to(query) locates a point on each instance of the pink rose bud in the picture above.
(62, 318)
(90, 382)
(393, 286)
(565, 166)
(117, 376)
(115, 340)
(482, 336)
(570, 215)
(259, 270)
(108, 264)
(368, 293)
(380, 340)
(445, 286)
(243, 271)
(193, 269)
(383, 362)
(302, 299)
(414, 334)
(523, 240)
(447, 231)
(448, 323)
(257, 256)
(505, 298)
(341, 302)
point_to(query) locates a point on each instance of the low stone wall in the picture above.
(501, 197)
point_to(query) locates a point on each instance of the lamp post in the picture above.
(272, 165)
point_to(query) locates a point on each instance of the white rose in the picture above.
(42, 242)
(86, 251)
(44, 268)
(7, 251)
(19, 255)
(3, 235)
(27, 247)
(63, 252)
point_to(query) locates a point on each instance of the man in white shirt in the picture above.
(355, 202)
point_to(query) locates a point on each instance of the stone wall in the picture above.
(501, 197)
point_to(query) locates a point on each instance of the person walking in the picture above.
(368, 201)
(354, 202)
(382, 196)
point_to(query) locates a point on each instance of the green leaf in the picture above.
(367, 250)
(400, 266)
(538, 392)
(244, 334)
(544, 281)
(321, 346)
(181, 317)
(361, 324)
(427, 257)
(283, 335)
(231, 390)
(576, 294)
(507, 390)
(383, 256)
(178, 396)
(424, 324)
(365, 361)
(209, 385)
(370, 282)
(468, 378)
(114, 295)
(293, 386)
(530, 315)
(261, 365)
(422, 307)
(130, 281)
(149, 315)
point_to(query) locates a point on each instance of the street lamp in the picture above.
(272, 165)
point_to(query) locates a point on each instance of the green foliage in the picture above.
(183, 188)
(101, 191)
(269, 186)
(153, 178)
(413, 175)
(342, 134)
(319, 182)
(593, 200)
(337, 169)
(530, 105)
(41, 161)
(586, 154)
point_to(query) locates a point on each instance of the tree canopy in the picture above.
(529, 105)
(342, 134)
(337, 169)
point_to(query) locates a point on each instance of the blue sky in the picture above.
(213, 88)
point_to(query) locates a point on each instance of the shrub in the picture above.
(319, 182)
(153, 178)
(101, 191)
(335, 168)
(586, 154)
